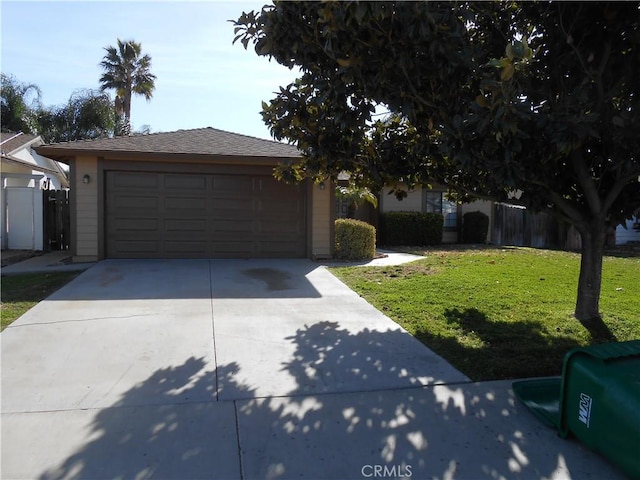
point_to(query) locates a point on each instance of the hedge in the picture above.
(355, 240)
(411, 228)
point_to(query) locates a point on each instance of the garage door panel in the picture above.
(185, 225)
(281, 231)
(274, 189)
(185, 182)
(232, 184)
(286, 210)
(139, 202)
(187, 247)
(150, 247)
(185, 203)
(228, 230)
(175, 215)
(226, 206)
(139, 224)
(133, 181)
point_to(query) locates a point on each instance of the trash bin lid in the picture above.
(542, 397)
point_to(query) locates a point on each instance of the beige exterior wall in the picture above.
(411, 203)
(10, 167)
(483, 206)
(86, 208)
(321, 221)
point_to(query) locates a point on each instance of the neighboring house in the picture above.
(630, 232)
(23, 175)
(201, 193)
(433, 200)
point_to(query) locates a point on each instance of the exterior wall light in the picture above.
(321, 185)
(86, 178)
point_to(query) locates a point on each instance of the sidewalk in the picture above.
(59, 261)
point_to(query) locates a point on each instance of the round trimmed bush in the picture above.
(355, 240)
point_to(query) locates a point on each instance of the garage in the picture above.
(201, 193)
(178, 215)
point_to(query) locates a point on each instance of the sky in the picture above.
(203, 80)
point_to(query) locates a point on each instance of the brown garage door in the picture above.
(167, 215)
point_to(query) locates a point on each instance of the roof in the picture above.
(202, 141)
(10, 142)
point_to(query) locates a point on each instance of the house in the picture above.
(433, 200)
(630, 231)
(24, 174)
(201, 193)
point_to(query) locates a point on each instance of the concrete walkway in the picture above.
(59, 261)
(250, 369)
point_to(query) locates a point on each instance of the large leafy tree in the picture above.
(18, 103)
(533, 103)
(128, 72)
(87, 115)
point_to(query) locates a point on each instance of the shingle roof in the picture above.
(201, 141)
(10, 142)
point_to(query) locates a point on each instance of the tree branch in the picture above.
(586, 182)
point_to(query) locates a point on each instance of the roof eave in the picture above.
(65, 155)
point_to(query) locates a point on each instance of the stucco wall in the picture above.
(322, 205)
(411, 203)
(86, 208)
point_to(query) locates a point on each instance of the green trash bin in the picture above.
(597, 400)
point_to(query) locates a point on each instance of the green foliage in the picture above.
(475, 226)
(87, 115)
(411, 228)
(355, 240)
(18, 104)
(357, 195)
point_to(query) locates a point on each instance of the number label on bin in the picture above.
(584, 412)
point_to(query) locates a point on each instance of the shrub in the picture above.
(475, 226)
(355, 240)
(411, 228)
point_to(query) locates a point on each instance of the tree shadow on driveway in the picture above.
(462, 431)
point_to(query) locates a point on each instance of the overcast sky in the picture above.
(202, 79)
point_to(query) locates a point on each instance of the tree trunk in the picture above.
(590, 281)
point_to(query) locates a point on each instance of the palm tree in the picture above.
(127, 71)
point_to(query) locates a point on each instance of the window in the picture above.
(436, 203)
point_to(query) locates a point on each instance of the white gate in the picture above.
(24, 218)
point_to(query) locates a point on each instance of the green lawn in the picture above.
(21, 292)
(498, 313)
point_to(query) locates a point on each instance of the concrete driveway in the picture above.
(247, 369)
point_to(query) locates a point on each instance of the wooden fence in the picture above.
(514, 225)
(57, 219)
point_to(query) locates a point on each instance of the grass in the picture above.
(498, 313)
(21, 292)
